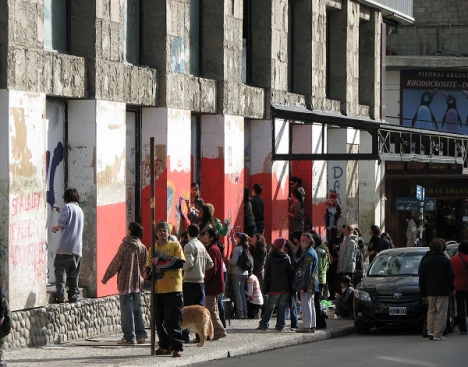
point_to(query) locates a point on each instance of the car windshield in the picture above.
(395, 264)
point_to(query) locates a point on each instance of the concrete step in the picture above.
(51, 293)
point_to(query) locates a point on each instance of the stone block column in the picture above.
(171, 130)
(222, 168)
(23, 232)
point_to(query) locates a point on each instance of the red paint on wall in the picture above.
(226, 193)
(318, 218)
(110, 230)
(169, 187)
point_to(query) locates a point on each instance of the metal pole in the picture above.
(421, 227)
(153, 250)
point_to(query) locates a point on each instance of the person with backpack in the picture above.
(239, 269)
(278, 282)
(359, 271)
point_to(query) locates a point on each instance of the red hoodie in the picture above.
(461, 271)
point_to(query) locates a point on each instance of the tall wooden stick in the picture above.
(153, 250)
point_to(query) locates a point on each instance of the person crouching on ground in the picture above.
(344, 301)
(254, 297)
(129, 263)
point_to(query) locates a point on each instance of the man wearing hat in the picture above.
(278, 280)
(168, 260)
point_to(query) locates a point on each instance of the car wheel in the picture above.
(361, 328)
(450, 319)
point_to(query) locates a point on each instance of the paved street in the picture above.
(384, 347)
(242, 339)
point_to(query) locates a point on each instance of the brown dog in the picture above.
(198, 319)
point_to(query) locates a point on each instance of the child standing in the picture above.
(129, 263)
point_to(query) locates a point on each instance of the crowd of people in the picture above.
(293, 278)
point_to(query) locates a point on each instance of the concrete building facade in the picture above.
(84, 85)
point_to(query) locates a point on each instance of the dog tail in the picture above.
(210, 327)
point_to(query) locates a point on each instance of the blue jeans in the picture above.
(280, 300)
(131, 317)
(238, 285)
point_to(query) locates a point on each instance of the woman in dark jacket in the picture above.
(249, 220)
(278, 280)
(332, 275)
(374, 231)
(258, 249)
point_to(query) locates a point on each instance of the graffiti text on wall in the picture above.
(27, 248)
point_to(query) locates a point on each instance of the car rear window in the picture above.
(395, 264)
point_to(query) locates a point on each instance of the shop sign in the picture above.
(413, 204)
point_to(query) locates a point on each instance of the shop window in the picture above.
(57, 25)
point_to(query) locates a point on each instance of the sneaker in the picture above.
(261, 328)
(462, 332)
(440, 338)
(431, 337)
(304, 330)
(141, 340)
(162, 352)
(124, 341)
(60, 299)
(176, 353)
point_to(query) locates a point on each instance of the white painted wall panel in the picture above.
(27, 220)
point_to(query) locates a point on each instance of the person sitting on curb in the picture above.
(344, 301)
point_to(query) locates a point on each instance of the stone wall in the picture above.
(65, 323)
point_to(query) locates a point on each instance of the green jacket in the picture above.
(324, 263)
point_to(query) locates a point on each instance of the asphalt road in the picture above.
(384, 347)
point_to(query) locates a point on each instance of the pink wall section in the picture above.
(110, 230)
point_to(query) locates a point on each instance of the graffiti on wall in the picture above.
(27, 248)
(337, 178)
(51, 167)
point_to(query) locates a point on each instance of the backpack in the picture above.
(5, 328)
(245, 261)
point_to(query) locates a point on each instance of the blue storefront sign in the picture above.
(414, 204)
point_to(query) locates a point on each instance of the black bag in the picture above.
(5, 327)
(245, 261)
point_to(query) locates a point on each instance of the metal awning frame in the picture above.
(389, 142)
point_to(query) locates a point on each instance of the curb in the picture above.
(252, 348)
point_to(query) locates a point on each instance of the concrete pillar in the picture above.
(222, 168)
(371, 205)
(319, 182)
(343, 175)
(171, 130)
(280, 169)
(23, 233)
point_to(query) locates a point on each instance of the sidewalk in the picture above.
(242, 339)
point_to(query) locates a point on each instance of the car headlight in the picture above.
(362, 296)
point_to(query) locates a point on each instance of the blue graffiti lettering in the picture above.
(56, 159)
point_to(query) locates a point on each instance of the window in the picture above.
(246, 43)
(195, 37)
(291, 46)
(56, 25)
(132, 32)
